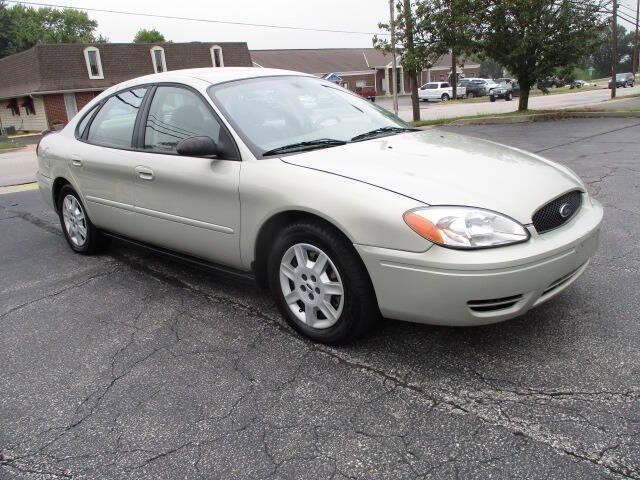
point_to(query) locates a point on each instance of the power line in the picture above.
(191, 19)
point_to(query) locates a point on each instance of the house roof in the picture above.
(62, 67)
(321, 61)
(328, 60)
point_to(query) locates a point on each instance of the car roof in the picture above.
(210, 75)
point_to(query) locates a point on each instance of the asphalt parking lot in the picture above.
(129, 365)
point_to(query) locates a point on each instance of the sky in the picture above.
(352, 15)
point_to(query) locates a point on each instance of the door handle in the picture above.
(76, 162)
(144, 173)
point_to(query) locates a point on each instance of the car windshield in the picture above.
(272, 114)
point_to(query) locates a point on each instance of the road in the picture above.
(437, 110)
(128, 365)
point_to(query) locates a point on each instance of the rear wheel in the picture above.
(445, 97)
(321, 286)
(471, 95)
(81, 235)
(492, 98)
(509, 96)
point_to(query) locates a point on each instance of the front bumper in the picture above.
(460, 288)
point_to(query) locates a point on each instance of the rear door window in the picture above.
(113, 125)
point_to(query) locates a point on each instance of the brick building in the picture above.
(47, 84)
(357, 67)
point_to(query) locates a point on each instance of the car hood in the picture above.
(441, 168)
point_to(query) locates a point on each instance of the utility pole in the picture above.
(614, 48)
(636, 47)
(394, 64)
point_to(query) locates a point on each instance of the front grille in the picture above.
(557, 212)
(493, 304)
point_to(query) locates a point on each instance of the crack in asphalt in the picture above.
(441, 399)
(588, 137)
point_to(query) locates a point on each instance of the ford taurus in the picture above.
(342, 210)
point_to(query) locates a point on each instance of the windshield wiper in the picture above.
(381, 132)
(303, 146)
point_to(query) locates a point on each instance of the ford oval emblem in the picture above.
(565, 210)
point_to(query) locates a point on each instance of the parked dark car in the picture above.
(624, 80)
(507, 89)
(551, 82)
(478, 87)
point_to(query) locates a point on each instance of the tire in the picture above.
(492, 98)
(624, 85)
(471, 95)
(509, 96)
(353, 313)
(74, 220)
(445, 97)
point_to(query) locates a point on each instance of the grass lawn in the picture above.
(560, 113)
(9, 145)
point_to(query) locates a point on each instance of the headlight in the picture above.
(465, 227)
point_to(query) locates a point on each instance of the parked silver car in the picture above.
(340, 208)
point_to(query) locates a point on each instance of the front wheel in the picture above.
(321, 286)
(492, 98)
(509, 97)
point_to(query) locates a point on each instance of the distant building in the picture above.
(355, 67)
(47, 84)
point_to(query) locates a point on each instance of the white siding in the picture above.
(37, 122)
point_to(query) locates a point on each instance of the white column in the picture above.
(402, 80)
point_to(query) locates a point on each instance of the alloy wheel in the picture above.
(311, 286)
(75, 221)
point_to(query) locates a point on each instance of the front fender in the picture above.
(366, 214)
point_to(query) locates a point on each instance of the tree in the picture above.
(428, 29)
(532, 38)
(149, 36)
(416, 54)
(601, 58)
(23, 27)
(454, 26)
(7, 31)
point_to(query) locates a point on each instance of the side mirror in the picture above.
(198, 147)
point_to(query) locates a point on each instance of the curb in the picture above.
(13, 149)
(542, 117)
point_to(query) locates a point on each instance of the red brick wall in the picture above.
(368, 79)
(56, 111)
(82, 98)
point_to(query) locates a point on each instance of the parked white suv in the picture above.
(439, 91)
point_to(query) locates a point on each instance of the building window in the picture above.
(159, 62)
(94, 64)
(216, 56)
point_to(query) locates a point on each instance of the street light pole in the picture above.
(636, 47)
(614, 47)
(394, 73)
